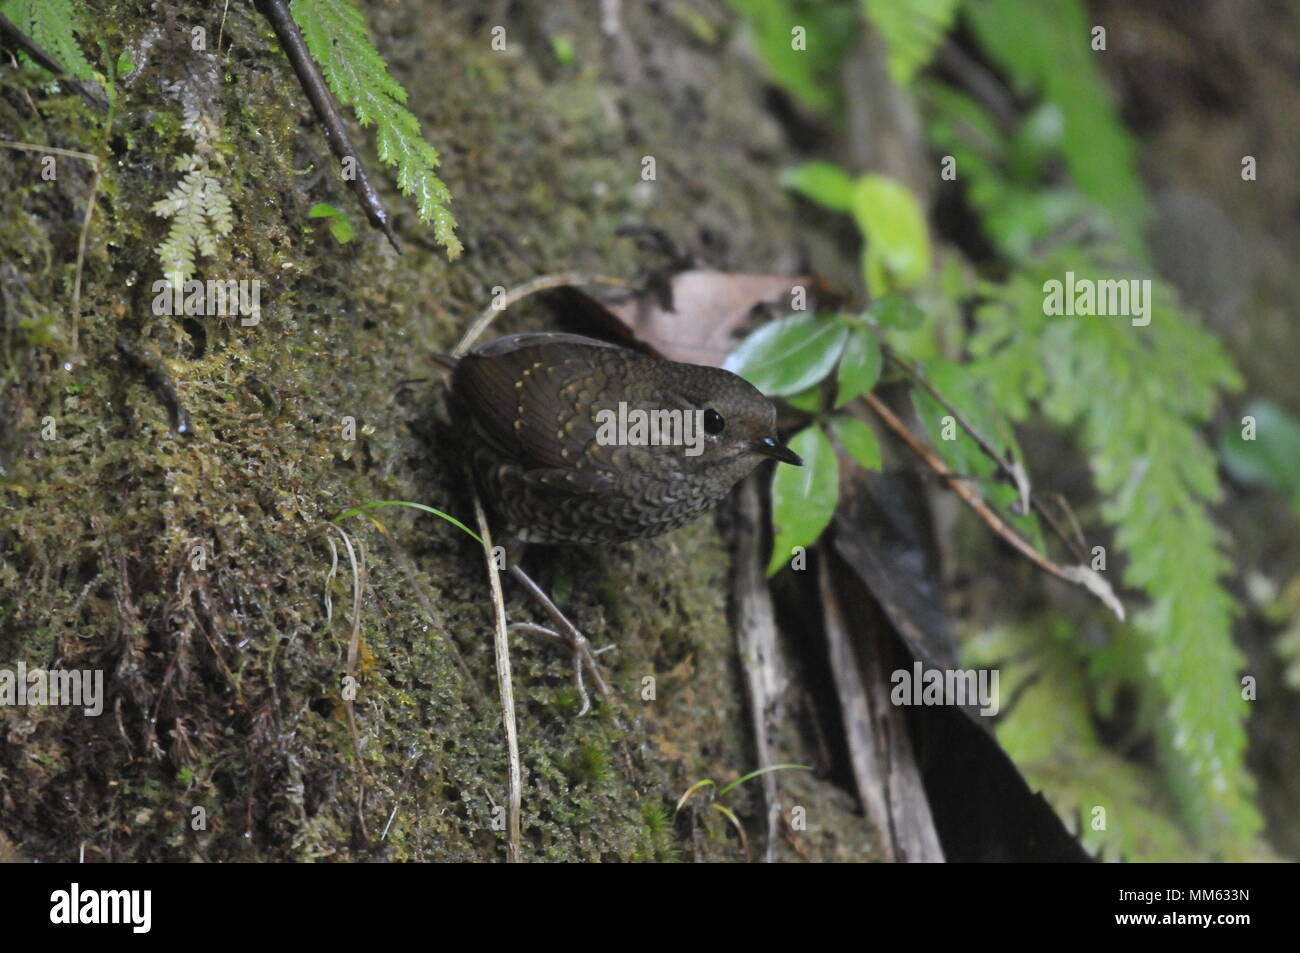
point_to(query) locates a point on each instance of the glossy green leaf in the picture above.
(897, 254)
(803, 498)
(858, 440)
(789, 355)
(895, 311)
(859, 366)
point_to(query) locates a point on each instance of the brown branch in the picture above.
(327, 114)
(28, 45)
(1013, 469)
(1078, 575)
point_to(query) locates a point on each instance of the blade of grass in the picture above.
(418, 506)
(681, 802)
(735, 822)
(754, 774)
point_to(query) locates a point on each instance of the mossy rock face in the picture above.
(196, 573)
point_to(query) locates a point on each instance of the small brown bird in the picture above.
(574, 440)
(554, 463)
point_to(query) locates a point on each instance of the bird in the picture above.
(575, 441)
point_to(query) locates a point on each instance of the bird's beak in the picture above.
(769, 447)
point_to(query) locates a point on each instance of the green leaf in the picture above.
(339, 225)
(1272, 456)
(810, 401)
(963, 388)
(1137, 402)
(858, 440)
(803, 498)
(562, 47)
(201, 216)
(789, 355)
(913, 30)
(51, 24)
(1045, 50)
(1053, 739)
(895, 311)
(823, 182)
(859, 366)
(761, 771)
(335, 33)
(1040, 136)
(897, 253)
(806, 65)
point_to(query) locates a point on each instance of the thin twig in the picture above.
(501, 642)
(29, 46)
(1068, 510)
(85, 221)
(336, 133)
(1014, 470)
(1078, 575)
(220, 31)
(13, 61)
(519, 292)
(358, 592)
(36, 147)
(81, 258)
(982, 83)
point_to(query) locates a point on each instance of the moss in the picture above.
(224, 681)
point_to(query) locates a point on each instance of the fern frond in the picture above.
(200, 214)
(1043, 48)
(336, 34)
(52, 25)
(1138, 399)
(912, 29)
(1114, 805)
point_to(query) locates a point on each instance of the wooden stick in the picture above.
(1077, 575)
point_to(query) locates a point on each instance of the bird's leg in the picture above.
(584, 658)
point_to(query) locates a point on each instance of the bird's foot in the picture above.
(584, 656)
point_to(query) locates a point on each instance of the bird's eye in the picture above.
(713, 422)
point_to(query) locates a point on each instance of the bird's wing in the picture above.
(532, 401)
